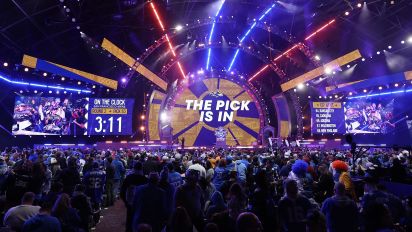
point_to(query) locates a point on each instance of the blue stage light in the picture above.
(209, 52)
(248, 32)
(42, 86)
(381, 94)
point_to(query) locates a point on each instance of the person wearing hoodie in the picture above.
(81, 202)
(341, 212)
(130, 183)
(119, 172)
(216, 205)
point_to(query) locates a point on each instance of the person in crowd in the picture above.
(341, 212)
(241, 170)
(262, 203)
(211, 227)
(109, 181)
(397, 172)
(81, 203)
(16, 216)
(189, 196)
(149, 204)
(133, 180)
(38, 179)
(43, 221)
(143, 228)
(119, 173)
(175, 178)
(55, 190)
(4, 171)
(167, 188)
(294, 207)
(226, 220)
(374, 196)
(221, 174)
(316, 222)
(210, 171)
(179, 222)
(248, 222)
(196, 166)
(341, 174)
(303, 179)
(70, 176)
(217, 205)
(324, 187)
(67, 216)
(18, 182)
(94, 181)
(224, 189)
(377, 217)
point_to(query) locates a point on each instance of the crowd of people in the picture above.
(290, 189)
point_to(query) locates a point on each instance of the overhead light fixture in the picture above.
(26, 69)
(363, 59)
(365, 90)
(380, 87)
(79, 82)
(359, 5)
(301, 86)
(347, 13)
(5, 64)
(317, 57)
(350, 93)
(410, 39)
(45, 74)
(396, 84)
(179, 27)
(378, 52)
(328, 70)
(63, 78)
(389, 47)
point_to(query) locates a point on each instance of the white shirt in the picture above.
(16, 216)
(199, 168)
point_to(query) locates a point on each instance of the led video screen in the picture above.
(34, 115)
(373, 116)
(385, 120)
(110, 116)
(49, 116)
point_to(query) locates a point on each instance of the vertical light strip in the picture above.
(182, 72)
(295, 46)
(209, 52)
(248, 32)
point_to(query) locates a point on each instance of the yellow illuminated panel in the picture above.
(354, 55)
(327, 105)
(32, 62)
(127, 59)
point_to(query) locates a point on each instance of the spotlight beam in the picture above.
(296, 46)
(159, 21)
(209, 52)
(248, 32)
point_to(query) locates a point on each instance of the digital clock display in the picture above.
(110, 116)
